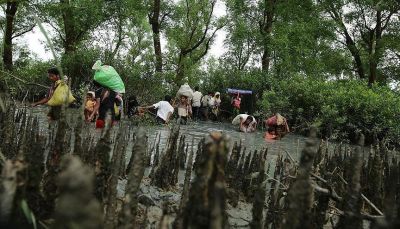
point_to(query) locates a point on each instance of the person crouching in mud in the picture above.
(164, 110)
(277, 127)
(105, 99)
(184, 110)
(247, 123)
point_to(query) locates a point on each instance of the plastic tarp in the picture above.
(108, 77)
(242, 92)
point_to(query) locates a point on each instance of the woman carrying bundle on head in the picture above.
(277, 127)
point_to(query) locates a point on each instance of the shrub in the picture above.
(338, 108)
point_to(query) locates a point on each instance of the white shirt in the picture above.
(163, 109)
(211, 102)
(196, 99)
(236, 120)
(206, 99)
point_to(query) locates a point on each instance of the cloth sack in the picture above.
(280, 120)
(185, 90)
(61, 95)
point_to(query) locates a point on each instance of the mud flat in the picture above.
(66, 177)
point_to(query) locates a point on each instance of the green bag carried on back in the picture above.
(108, 77)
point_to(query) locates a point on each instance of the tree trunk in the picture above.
(266, 57)
(69, 28)
(373, 61)
(356, 55)
(11, 10)
(154, 20)
(266, 30)
(70, 42)
(180, 71)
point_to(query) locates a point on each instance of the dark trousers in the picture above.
(204, 113)
(196, 113)
(160, 120)
(54, 113)
(182, 120)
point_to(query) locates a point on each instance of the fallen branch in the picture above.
(329, 192)
(344, 181)
(364, 216)
(290, 156)
(23, 81)
(364, 198)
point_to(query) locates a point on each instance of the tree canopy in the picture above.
(171, 40)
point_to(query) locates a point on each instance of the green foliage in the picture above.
(190, 33)
(82, 59)
(28, 214)
(337, 107)
(305, 41)
(371, 28)
(32, 72)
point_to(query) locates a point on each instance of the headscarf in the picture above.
(217, 100)
(91, 93)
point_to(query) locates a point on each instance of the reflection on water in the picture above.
(195, 131)
(252, 141)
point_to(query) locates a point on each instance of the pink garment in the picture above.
(272, 121)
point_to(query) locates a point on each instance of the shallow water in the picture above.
(195, 131)
(252, 141)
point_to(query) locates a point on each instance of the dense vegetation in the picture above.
(268, 44)
(340, 108)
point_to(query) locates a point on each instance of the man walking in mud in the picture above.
(55, 111)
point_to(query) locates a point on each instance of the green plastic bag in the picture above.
(61, 95)
(108, 77)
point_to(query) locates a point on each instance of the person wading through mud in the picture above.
(164, 110)
(89, 106)
(247, 123)
(105, 99)
(196, 103)
(205, 100)
(184, 110)
(277, 127)
(55, 111)
(236, 100)
(215, 103)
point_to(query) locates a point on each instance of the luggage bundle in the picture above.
(108, 77)
(61, 95)
(185, 90)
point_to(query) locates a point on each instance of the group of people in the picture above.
(197, 106)
(99, 102)
(277, 126)
(206, 106)
(102, 101)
